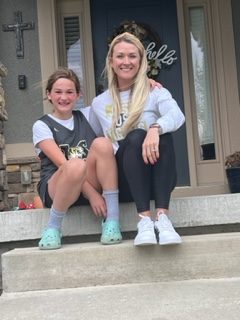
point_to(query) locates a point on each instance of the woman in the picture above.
(75, 165)
(139, 121)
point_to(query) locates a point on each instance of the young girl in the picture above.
(76, 167)
(139, 121)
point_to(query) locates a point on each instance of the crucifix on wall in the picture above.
(18, 28)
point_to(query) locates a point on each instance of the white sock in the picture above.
(55, 219)
(112, 203)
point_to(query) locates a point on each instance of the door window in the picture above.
(202, 88)
(75, 45)
(72, 50)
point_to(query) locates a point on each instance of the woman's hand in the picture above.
(150, 147)
(154, 84)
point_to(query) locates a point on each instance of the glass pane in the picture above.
(203, 99)
(73, 50)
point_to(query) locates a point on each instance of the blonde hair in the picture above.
(140, 87)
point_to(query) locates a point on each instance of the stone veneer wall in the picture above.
(12, 188)
(17, 189)
(3, 117)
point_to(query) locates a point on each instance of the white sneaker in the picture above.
(146, 234)
(167, 234)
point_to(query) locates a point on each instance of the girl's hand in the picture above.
(150, 147)
(98, 205)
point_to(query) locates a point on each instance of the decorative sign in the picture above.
(158, 54)
(18, 28)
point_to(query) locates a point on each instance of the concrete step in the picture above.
(92, 264)
(190, 212)
(213, 299)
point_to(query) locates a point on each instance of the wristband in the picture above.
(156, 125)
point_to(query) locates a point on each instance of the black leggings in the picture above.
(139, 182)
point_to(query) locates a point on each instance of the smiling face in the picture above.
(125, 61)
(63, 96)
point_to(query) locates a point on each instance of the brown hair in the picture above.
(63, 73)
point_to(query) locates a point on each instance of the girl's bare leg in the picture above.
(101, 165)
(65, 185)
(64, 188)
(102, 173)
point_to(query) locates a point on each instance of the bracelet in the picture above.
(156, 125)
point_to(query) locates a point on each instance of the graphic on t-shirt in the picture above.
(116, 134)
(79, 151)
(108, 111)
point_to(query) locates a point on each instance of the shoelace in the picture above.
(165, 224)
(146, 224)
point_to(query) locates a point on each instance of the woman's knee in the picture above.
(166, 141)
(136, 137)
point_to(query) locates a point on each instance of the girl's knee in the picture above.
(75, 168)
(102, 145)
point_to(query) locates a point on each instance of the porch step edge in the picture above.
(92, 264)
(184, 212)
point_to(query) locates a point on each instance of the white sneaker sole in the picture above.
(165, 242)
(145, 242)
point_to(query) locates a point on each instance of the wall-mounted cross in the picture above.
(18, 28)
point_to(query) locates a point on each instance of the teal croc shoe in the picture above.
(111, 232)
(51, 239)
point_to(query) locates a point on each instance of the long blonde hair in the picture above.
(140, 87)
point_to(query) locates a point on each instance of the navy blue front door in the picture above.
(159, 20)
